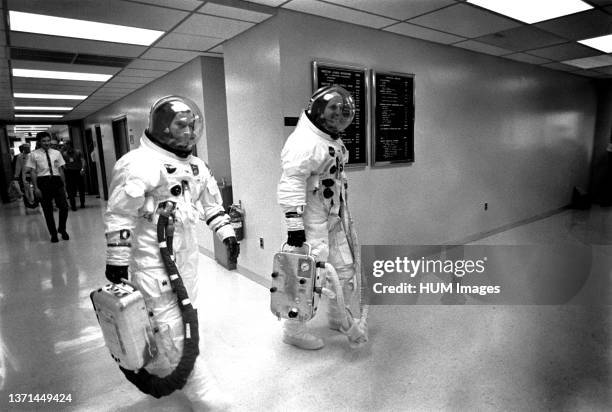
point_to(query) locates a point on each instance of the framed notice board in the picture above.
(393, 125)
(355, 80)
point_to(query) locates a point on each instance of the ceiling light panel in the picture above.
(127, 13)
(51, 108)
(35, 64)
(41, 42)
(81, 29)
(49, 96)
(530, 11)
(603, 43)
(52, 74)
(54, 116)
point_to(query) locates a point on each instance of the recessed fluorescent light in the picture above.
(39, 115)
(603, 43)
(23, 126)
(49, 96)
(533, 11)
(51, 74)
(54, 108)
(81, 29)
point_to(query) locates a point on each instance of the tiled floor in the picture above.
(472, 357)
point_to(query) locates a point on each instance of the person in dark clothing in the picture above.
(46, 165)
(74, 171)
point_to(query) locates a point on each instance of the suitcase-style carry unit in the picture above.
(125, 324)
(296, 284)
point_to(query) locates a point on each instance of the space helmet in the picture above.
(331, 109)
(175, 124)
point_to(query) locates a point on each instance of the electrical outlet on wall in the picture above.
(486, 206)
(261, 242)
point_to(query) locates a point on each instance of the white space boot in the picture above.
(296, 333)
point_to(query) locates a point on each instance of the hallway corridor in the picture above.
(422, 357)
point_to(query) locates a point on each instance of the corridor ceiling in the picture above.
(190, 28)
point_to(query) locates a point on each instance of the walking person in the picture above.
(46, 166)
(74, 171)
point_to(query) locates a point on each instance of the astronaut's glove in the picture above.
(296, 236)
(233, 248)
(115, 273)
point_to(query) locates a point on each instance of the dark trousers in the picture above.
(52, 188)
(74, 182)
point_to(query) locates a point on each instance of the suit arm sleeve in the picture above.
(217, 220)
(129, 184)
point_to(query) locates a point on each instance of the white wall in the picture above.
(185, 81)
(255, 121)
(487, 129)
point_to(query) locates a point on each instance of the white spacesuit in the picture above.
(162, 169)
(312, 194)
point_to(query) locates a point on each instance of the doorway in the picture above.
(101, 160)
(90, 159)
(120, 137)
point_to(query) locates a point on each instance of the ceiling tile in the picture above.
(107, 11)
(482, 47)
(188, 5)
(339, 13)
(122, 85)
(188, 42)
(153, 65)
(605, 69)
(565, 51)
(590, 73)
(560, 66)
(156, 53)
(38, 41)
(82, 68)
(526, 58)
(218, 49)
(143, 73)
(211, 26)
(579, 26)
(591, 62)
(465, 20)
(130, 79)
(234, 12)
(271, 3)
(419, 32)
(397, 9)
(521, 38)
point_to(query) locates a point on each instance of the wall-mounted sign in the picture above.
(393, 125)
(355, 80)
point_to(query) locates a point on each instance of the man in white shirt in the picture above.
(46, 165)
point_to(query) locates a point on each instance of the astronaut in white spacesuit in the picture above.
(163, 170)
(312, 194)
